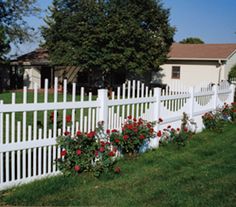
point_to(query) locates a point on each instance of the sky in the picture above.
(211, 20)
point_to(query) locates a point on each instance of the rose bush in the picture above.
(216, 120)
(178, 136)
(134, 134)
(86, 152)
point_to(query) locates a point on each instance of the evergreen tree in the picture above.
(192, 40)
(108, 35)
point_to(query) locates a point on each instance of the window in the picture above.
(175, 72)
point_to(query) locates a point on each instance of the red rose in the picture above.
(135, 130)
(141, 136)
(130, 126)
(108, 131)
(63, 153)
(117, 140)
(151, 130)
(102, 143)
(78, 133)
(134, 119)
(102, 149)
(172, 129)
(113, 130)
(160, 120)
(111, 154)
(185, 129)
(78, 152)
(125, 137)
(96, 153)
(117, 170)
(68, 118)
(129, 117)
(66, 133)
(77, 168)
(149, 125)
(90, 135)
(178, 129)
(159, 133)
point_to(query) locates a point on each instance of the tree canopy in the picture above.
(108, 35)
(192, 40)
(13, 26)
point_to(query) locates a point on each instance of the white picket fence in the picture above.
(28, 148)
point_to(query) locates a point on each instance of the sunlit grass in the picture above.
(201, 174)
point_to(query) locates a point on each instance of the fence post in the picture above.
(232, 88)
(103, 107)
(215, 96)
(154, 143)
(191, 102)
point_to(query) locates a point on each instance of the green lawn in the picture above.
(201, 174)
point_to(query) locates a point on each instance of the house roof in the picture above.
(201, 51)
(37, 57)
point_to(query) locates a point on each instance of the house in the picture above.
(36, 67)
(193, 64)
(190, 64)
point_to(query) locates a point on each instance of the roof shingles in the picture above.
(201, 51)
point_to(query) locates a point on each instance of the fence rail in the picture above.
(28, 131)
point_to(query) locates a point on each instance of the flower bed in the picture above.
(96, 151)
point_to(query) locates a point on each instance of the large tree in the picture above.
(192, 40)
(109, 35)
(13, 26)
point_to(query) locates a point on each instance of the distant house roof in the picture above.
(37, 57)
(201, 51)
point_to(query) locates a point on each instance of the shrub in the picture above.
(216, 120)
(229, 112)
(86, 152)
(134, 134)
(177, 136)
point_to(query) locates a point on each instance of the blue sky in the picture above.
(211, 20)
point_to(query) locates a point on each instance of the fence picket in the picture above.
(35, 112)
(45, 112)
(24, 114)
(73, 110)
(13, 101)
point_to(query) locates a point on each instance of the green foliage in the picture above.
(232, 73)
(134, 134)
(108, 35)
(13, 26)
(192, 40)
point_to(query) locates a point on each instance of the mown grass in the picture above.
(201, 174)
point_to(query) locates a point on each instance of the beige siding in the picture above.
(193, 72)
